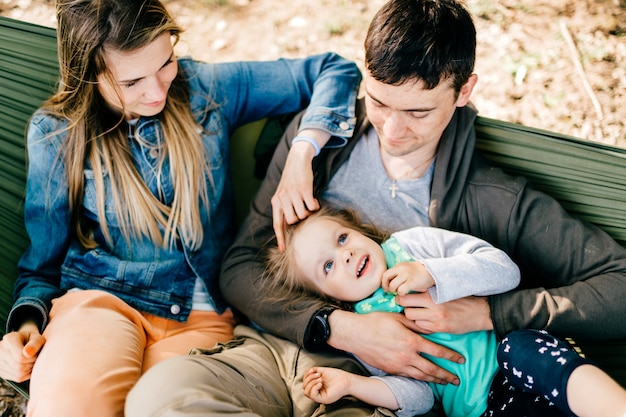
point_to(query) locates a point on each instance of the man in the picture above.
(412, 162)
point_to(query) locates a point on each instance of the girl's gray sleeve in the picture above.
(461, 265)
(414, 397)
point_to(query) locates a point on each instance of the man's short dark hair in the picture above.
(427, 40)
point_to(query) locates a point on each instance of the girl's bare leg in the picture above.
(593, 393)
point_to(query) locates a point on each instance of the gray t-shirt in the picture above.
(371, 195)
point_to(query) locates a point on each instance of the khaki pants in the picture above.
(256, 374)
(97, 347)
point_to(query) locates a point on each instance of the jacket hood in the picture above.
(454, 158)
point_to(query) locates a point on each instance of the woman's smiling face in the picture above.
(142, 77)
(336, 260)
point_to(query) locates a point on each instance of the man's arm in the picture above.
(244, 263)
(240, 282)
(573, 274)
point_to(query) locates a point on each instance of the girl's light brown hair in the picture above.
(281, 277)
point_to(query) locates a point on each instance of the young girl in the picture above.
(129, 206)
(335, 256)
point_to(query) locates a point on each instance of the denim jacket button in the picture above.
(154, 153)
(175, 309)
(344, 125)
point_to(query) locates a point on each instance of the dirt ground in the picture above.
(558, 65)
(12, 404)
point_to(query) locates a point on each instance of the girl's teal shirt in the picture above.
(436, 248)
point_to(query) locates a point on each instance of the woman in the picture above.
(129, 204)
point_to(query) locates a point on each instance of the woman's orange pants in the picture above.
(97, 346)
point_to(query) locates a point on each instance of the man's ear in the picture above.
(466, 91)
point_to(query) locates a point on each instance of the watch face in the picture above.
(320, 329)
(325, 328)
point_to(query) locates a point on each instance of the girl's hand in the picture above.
(293, 200)
(406, 277)
(18, 352)
(326, 385)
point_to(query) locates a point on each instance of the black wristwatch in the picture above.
(318, 331)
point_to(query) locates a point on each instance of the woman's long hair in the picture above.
(97, 136)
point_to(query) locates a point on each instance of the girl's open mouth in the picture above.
(362, 266)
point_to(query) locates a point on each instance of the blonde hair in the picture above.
(98, 136)
(281, 277)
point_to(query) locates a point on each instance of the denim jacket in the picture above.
(148, 277)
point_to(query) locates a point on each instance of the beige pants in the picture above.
(256, 374)
(97, 347)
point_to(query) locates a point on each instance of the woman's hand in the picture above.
(18, 352)
(293, 200)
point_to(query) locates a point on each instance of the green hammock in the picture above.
(587, 178)
(28, 73)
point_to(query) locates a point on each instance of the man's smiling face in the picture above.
(409, 117)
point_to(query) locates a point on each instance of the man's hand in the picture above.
(293, 200)
(389, 341)
(18, 352)
(457, 316)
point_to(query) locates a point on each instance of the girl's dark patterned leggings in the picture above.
(534, 370)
